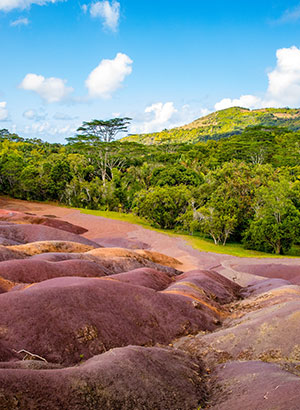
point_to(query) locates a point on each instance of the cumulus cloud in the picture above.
(283, 84)
(8, 5)
(3, 111)
(108, 12)
(20, 22)
(50, 89)
(284, 80)
(108, 76)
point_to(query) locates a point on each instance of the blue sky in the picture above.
(163, 63)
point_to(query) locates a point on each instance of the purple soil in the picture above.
(14, 216)
(8, 254)
(270, 333)
(121, 242)
(146, 277)
(34, 233)
(31, 270)
(271, 270)
(262, 286)
(7, 242)
(255, 386)
(113, 265)
(221, 289)
(133, 378)
(62, 318)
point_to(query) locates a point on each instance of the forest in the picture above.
(244, 188)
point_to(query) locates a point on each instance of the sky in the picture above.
(162, 63)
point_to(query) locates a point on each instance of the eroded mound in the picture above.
(32, 270)
(61, 319)
(35, 233)
(146, 277)
(35, 248)
(160, 258)
(22, 217)
(9, 254)
(254, 385)
(126, 378)
(264, 327)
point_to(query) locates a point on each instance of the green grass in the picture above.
(196, 241)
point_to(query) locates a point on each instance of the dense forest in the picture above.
(244, 188)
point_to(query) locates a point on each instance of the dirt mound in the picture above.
(146, 277)
(61, 319)
(8, 254)
(35, 233)
(126, 378)
(119, 260)
(265, 327)
(5, 285)
(216, 286)
(35, 248)
(32, 270)
(22, 217)
(254, 385)
(160, 258)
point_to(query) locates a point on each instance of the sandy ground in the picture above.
(104, 228)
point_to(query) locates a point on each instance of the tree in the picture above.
(162, 205)
(101, 130)
(276, 225)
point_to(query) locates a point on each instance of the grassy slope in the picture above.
(197, 242)
(222, 124)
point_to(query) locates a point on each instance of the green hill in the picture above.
(222, 124)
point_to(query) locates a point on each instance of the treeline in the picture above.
(243, 188)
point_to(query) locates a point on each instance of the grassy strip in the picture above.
(196, 241)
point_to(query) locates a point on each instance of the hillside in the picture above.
(222, 124)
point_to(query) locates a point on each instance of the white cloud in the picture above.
(34, 115)
(155, 118)
(283, 85)
(284, 80)
(108, 76)
(3, 111)
(245, 101)
(108, 12)
(8, 5)
(160, 115)
(20, 22)
(50, 89)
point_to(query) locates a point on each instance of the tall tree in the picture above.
(105, 131)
